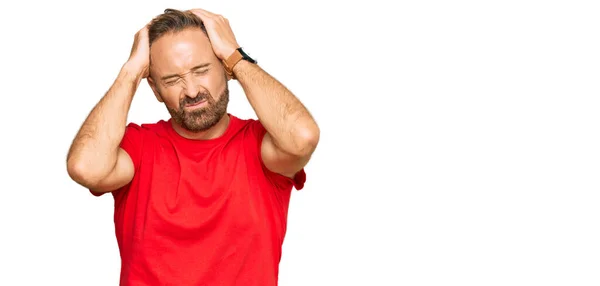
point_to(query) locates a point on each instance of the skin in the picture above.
(95, 159)
(185, 71)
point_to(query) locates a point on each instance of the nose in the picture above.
(191, 90)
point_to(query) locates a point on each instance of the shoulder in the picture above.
(242, 122)
(138, 135)
(250, 126)
(155, 127)
(134, 129)
(254, 132)
(244, 129)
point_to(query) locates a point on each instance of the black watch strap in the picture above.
(246, 56)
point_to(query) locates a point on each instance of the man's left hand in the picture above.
(219, 33)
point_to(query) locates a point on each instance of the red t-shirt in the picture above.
(201, 212)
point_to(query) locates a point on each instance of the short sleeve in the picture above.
(281, 181)
(132, 144)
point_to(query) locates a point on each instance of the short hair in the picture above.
(172, 21)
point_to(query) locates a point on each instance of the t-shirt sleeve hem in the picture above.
(96, 194)
(131, 144)
(279, 180)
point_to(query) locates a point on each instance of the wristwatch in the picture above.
(234, 58)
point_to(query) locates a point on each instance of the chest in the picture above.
(213, 190)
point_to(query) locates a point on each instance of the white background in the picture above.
(459, 145)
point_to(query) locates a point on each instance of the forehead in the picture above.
(179, 51)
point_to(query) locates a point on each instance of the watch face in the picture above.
(246, 56)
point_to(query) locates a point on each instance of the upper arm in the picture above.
(128, 160)
(279, 161)
(121, 175)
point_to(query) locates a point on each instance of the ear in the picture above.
(152, 85)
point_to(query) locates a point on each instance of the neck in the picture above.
(214, 132)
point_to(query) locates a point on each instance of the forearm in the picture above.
(93, 153)
(285, 118)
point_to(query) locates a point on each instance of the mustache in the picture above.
(193, 100)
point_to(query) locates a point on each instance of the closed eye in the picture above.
(172, 82)
(200, 72)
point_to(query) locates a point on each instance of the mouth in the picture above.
(196, 104)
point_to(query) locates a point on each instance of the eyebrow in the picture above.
(192, 69)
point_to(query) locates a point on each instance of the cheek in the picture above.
(170, 98)
(217, 85)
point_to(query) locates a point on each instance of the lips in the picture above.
(195, 103)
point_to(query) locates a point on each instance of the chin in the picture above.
(201, 124)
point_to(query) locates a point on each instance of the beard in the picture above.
(204, 118)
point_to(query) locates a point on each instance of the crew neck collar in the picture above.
(176, 136)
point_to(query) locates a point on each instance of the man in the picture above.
(202, 198)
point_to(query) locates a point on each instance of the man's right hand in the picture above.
(139, 58)
(95, 159)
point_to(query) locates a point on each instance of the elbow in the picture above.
(80, 173)
(308, 139)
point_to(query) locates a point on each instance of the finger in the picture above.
(143, 30)
(206, 15)
(206, 12)
(203, 14)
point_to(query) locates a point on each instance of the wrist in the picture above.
(237, 62)
(240, 66)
